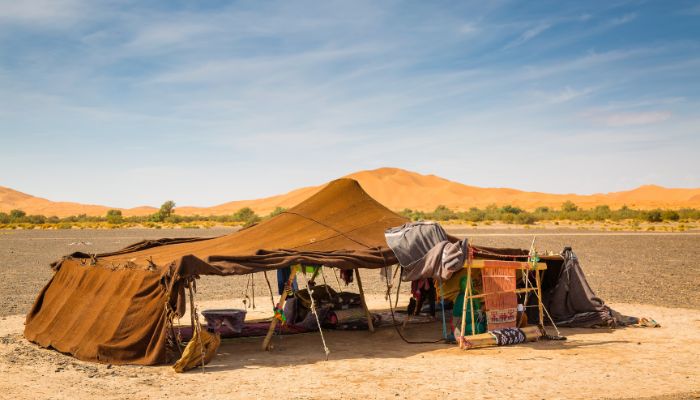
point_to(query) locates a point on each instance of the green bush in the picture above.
(569, 206)
(277, 211)
(115, 217)
(17, 215)
(670, 215)
(654, 216)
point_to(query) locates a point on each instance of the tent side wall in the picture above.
(103, 315)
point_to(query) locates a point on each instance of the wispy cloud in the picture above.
(529, 35)
(629, 17)
(624, 119)
(42, 13)
(564, 95)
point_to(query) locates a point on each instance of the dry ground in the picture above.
(650, 268)
(655, 275)
(591, 364)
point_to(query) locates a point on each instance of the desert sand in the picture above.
(591, 364)
(396, 189)
(639, 274)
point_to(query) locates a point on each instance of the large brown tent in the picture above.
(118, 307)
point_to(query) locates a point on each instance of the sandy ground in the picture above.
(640, 274)
(591, 364)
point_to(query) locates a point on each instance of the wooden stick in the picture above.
(398, 289)
(471, 307)
(539, 297)
(464, 306)
(521, 265)
(280, 305)
(522, 290)
(370, 324)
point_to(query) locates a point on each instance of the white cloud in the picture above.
(623, 119)
(565, 95)
(623, 19)
(41, 11)
(529, 35)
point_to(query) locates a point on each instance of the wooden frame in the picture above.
(266, 345)
(523, 266)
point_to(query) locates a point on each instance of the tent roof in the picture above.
(340, 226)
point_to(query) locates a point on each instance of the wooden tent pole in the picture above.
(539, 297)
(467, 292)
(370, 324)
(398, 289)
(280, 305)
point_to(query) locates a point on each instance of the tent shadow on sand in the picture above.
(307, 349)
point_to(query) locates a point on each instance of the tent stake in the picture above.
(280, 305)
(370, 324)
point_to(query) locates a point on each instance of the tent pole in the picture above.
(280, 305)
(467, 296)
(370, 324)
(398, 288)
(539, 297)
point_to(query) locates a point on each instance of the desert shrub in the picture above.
(442, 213)
(244, 214)
(252, 221)
(35, 219)
(601, 213)
(474, 215)
(17, 215)
(569, 206)
(511, 210)
(277, 211)
(4, 218)
(654, 216)
(174, 219)
(115, 217)
(525, 219)
(670, 215)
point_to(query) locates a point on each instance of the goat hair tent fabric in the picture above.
(117, 307)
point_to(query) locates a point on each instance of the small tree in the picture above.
(601, 213)
(244, 214)
(166, 210)
(569, 206)
(115, 217)
(16, 215)
(654, 216)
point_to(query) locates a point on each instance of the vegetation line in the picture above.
(166, 217)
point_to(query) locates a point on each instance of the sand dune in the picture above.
(395, 188)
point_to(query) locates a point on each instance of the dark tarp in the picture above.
(571, 302)
(117, 307)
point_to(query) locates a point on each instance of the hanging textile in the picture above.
(501, 301)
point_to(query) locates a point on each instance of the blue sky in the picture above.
(131, 103)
